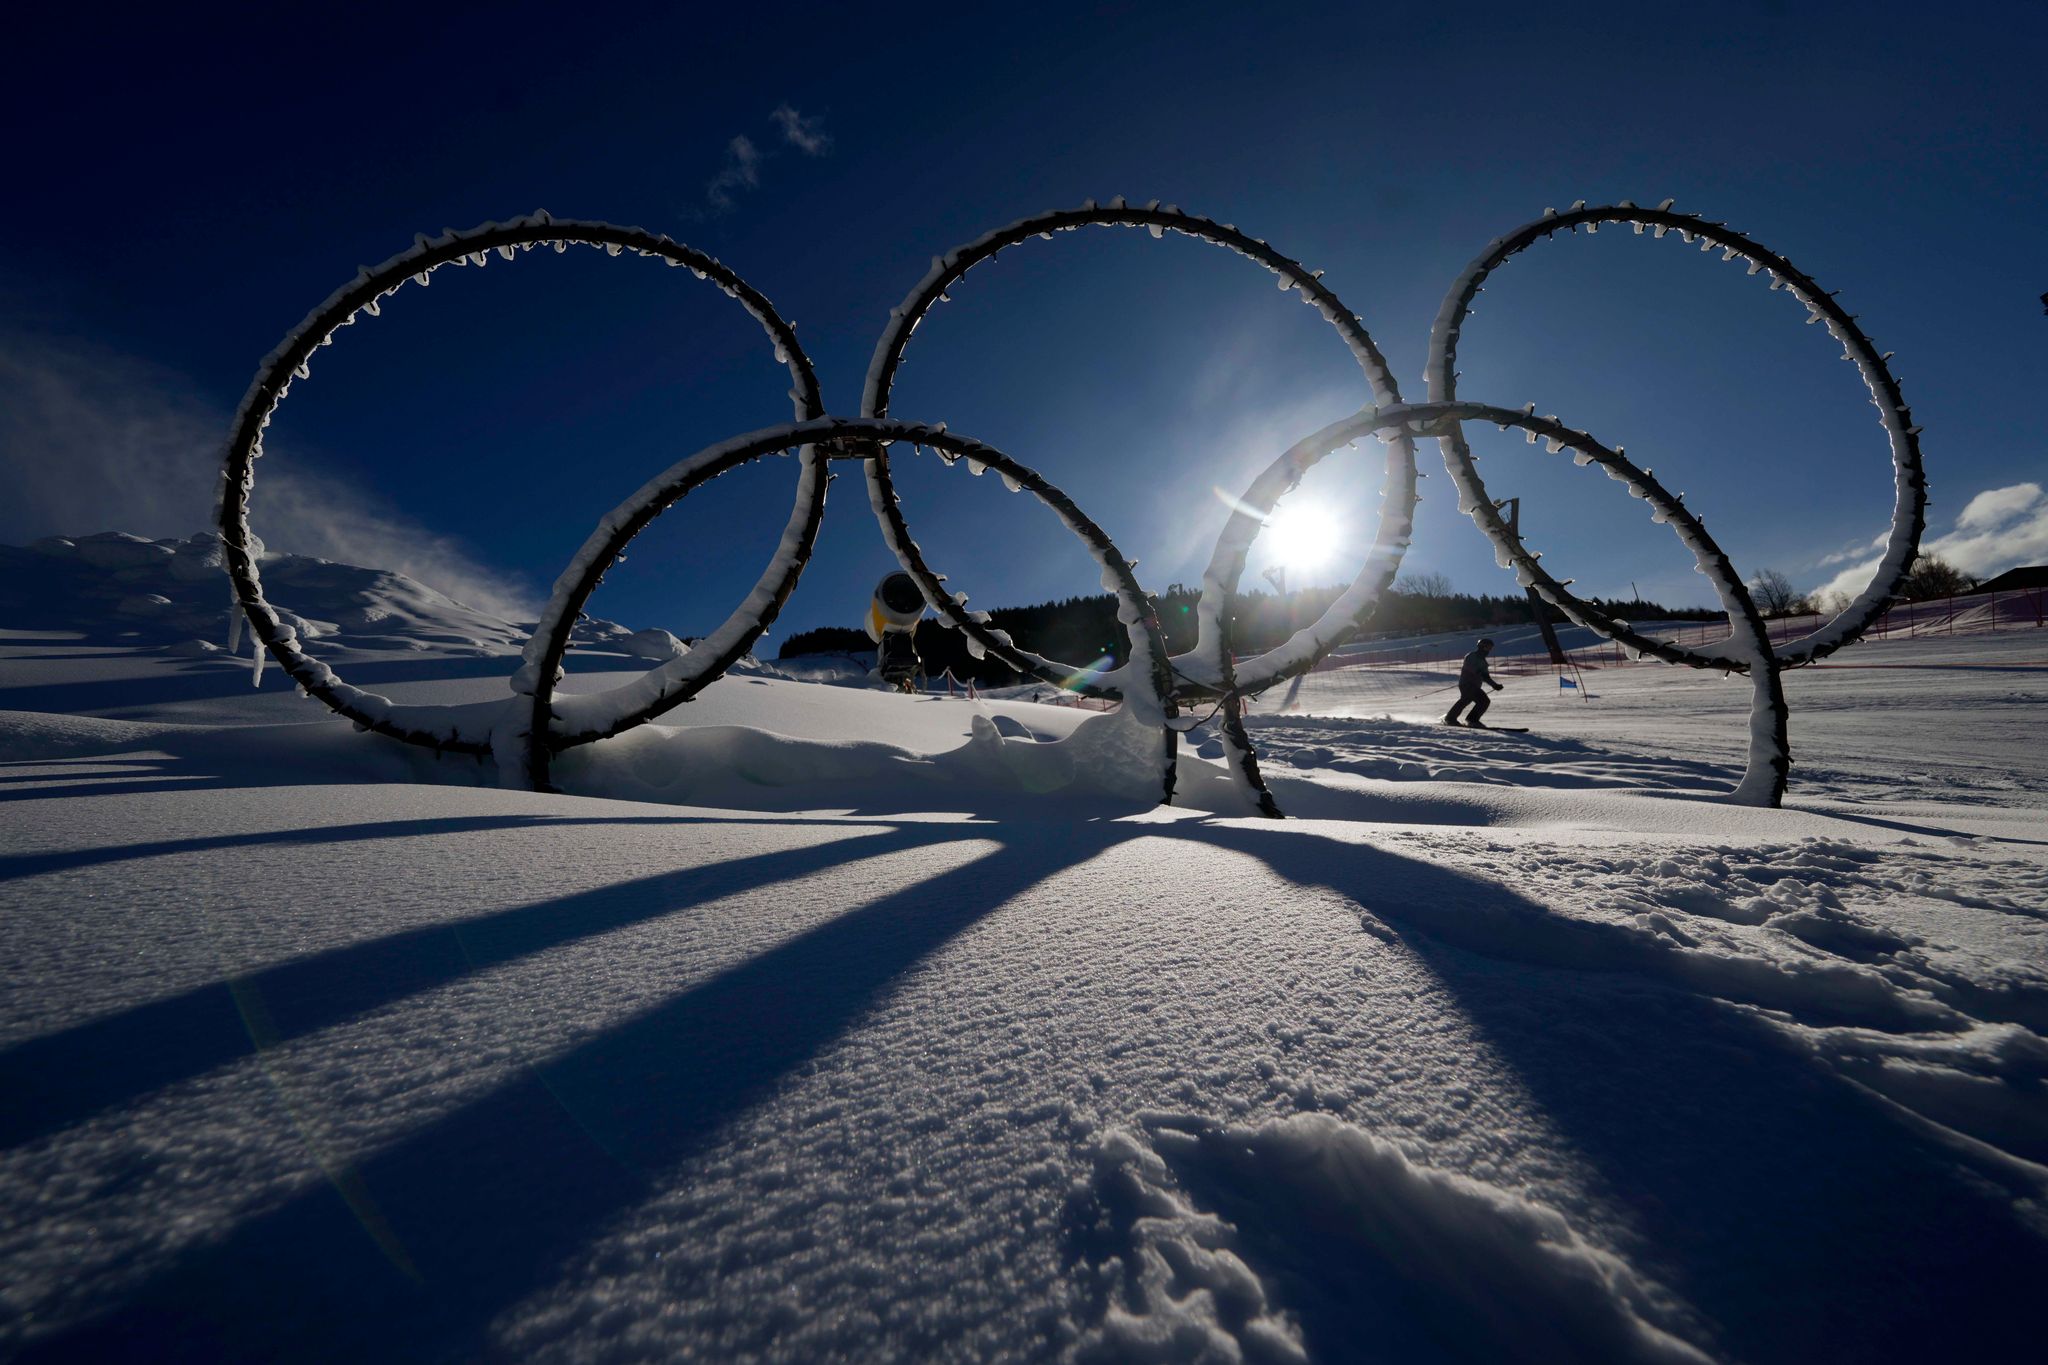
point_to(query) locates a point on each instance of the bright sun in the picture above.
(1301, 538)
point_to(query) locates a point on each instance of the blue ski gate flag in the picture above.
(1566, 682)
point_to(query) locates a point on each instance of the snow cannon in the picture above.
(898, 606)
(892, 624)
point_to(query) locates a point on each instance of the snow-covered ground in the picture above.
(823, 1023)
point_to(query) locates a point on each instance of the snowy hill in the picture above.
(821, 1023)
(120, 588)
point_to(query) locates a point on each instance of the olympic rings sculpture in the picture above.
(526, 732)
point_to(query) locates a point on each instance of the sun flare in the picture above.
(1301, 538)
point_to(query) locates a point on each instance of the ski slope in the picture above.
(827, 1024)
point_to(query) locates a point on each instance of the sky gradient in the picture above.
(188, 188)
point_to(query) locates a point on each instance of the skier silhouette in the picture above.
(1472, 675)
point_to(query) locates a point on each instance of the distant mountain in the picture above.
(115, 588)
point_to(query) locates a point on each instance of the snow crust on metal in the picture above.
(1748, 649)
(536, 722)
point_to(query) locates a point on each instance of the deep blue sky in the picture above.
(185, 189)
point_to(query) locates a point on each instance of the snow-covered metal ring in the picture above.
(1748, 649)
(1207, 668)
(546, 722)
(526, 732)
(1210, 668)
(469, 729)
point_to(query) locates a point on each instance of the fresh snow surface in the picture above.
(822, 1023)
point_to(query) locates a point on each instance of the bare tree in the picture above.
(1424, 585)
(1932, 577)
(1773, 593)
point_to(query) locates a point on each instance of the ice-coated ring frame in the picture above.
(1209, 668)
(448, 729)
(526, 732)
(1750, 650)
(554, 722)
(1763, 780)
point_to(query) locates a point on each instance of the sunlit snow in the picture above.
(823, 1023)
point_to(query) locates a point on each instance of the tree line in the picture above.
(1085, 631)
(1930, 577)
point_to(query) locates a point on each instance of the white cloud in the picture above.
(1860, 550)
(1996, 506)
(807, 135)
(742, 170)
(743, 156)
(1998, 529)
(2018, 536)
(94, 441)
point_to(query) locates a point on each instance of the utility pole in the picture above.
(1537, 606)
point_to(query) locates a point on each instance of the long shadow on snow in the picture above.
(14, 866)
(1932, 831)
(206, 762)
(128, 768)
(1802, 1218)
(216, 679)
(1794, 1213)
(210, 772)
(487, 1202)
(204, 758)
(211, 758)
(61, 1078)
(159, 784)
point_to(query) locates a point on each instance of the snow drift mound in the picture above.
(1003, 765)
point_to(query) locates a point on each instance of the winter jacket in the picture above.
(1473, 675)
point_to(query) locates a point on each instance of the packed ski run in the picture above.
(819, 1022)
